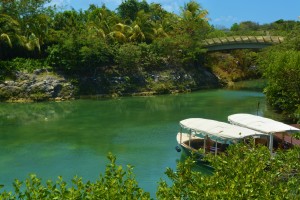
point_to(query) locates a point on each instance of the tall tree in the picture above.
(9, 35)
(128, 9)
(8, 28)
(282, 71)
(33, 17)
(187, 33)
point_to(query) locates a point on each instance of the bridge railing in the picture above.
(243, 39)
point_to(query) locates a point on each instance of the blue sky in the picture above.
(222, 13)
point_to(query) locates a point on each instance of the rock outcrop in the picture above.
(40, 85)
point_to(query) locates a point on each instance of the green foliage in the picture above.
(39, 96)
(8, 68)
(235, 66)
(117, 183)
(128, 57)
(282, 70)
(128, 9)
(151, 60)
(29, 65)
(242, 173)
(245, 26)
(189, 31)
(9, 31)
(215, 33)
(162, 88)
(279, 27)
(82, 55)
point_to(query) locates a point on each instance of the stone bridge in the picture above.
(241, 42)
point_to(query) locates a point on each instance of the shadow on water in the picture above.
(251, 85)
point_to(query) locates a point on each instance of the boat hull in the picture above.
(190, 145)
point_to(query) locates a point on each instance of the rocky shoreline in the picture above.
(42, 85)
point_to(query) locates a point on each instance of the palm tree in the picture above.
(137, 34)
(95, 31)
(194, 21)
(31, 43)
(9, 32)
(97, 24)
(121, 33)
(4, 37)
(143, 27)
(193, 11)
(9, 28)
(105, 24)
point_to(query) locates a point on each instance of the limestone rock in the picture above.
(37, 86)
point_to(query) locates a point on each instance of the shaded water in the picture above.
(73, 138)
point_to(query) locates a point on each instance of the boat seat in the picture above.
(213, 149)
(261, 141)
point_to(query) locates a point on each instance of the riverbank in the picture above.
(42, 85)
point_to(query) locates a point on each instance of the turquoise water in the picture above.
(73, 138)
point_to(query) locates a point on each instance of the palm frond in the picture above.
(32, 43)
(6, 38)
(117, 36)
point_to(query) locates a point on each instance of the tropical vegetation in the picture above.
(245, 172)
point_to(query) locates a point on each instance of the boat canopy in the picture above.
(217, 129)
(261, 124)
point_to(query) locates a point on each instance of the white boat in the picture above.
(213, 136)
(280, 134)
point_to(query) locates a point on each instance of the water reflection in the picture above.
(28, 113)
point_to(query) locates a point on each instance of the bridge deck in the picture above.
(243, 39)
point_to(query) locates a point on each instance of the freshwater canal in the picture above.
(73, 138)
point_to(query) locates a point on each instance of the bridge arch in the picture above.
(241, 42)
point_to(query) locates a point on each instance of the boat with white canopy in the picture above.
(280, 134)
(213, 136)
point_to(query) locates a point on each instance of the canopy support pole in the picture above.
(180, 135)
(271, 143)
(190, 135)
(216, 149)
(204, 145)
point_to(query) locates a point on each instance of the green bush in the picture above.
(29, 65)
(282, 71)
(80, 55)
(128, 57)
(117, 183)
(8, 68)
(244, 172)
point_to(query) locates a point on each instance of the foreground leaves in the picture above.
(243, 173)
(115, 184)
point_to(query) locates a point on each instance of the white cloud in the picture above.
(170, 5)
(226, 21)
(60, 2)
(173, 7)
(111, 4)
